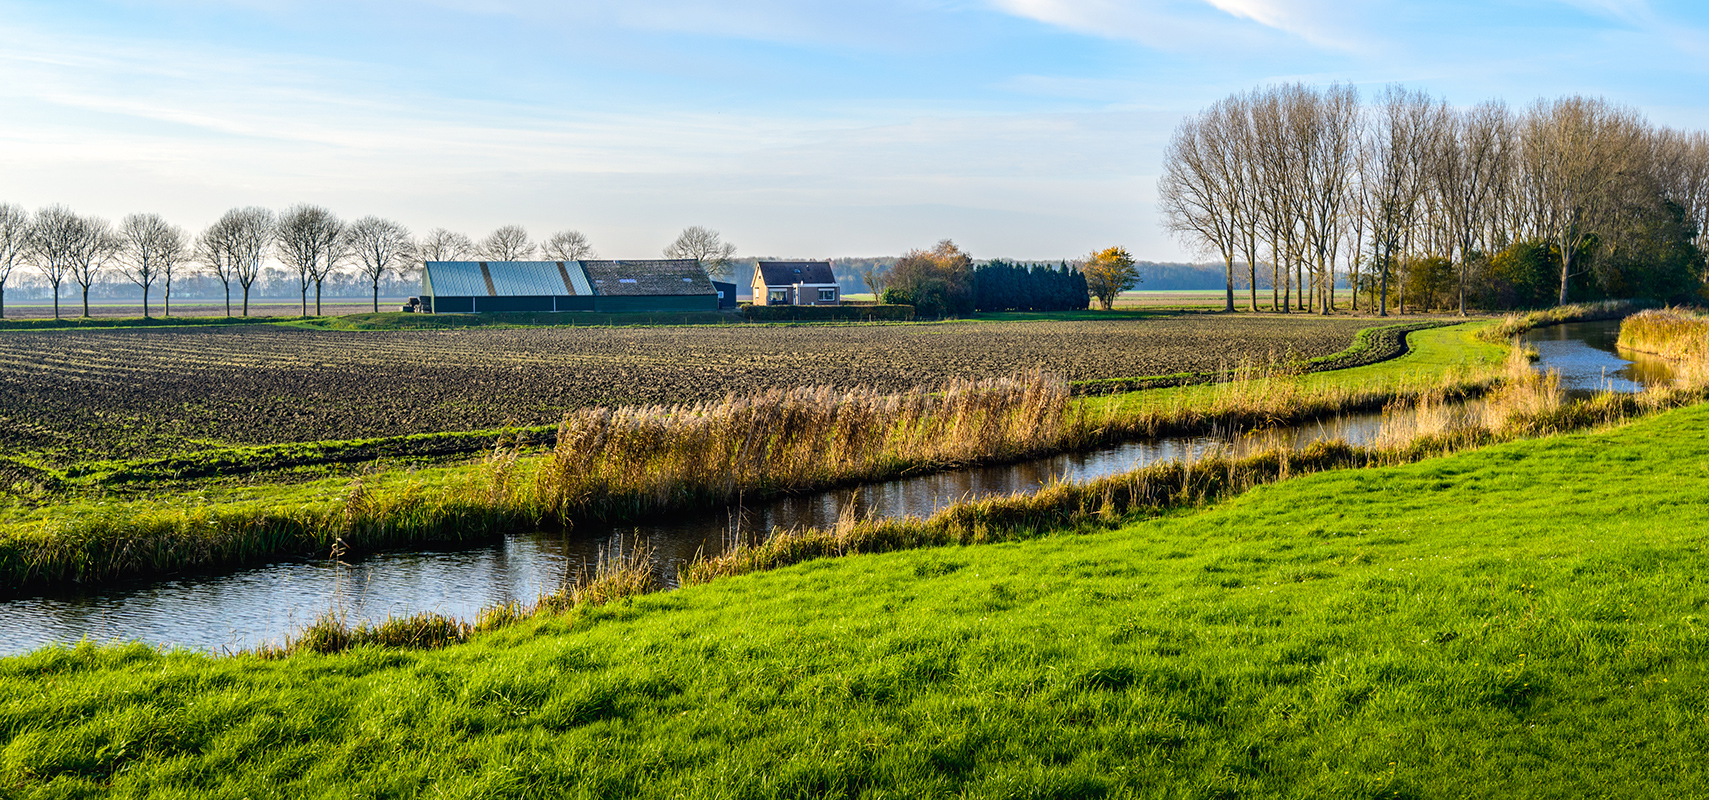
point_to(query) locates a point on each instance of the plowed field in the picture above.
(75, 395)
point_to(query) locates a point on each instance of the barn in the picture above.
(463, 287)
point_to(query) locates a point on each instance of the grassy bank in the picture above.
(1493, 623)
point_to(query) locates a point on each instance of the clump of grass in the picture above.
(332, 633)
(1676, 333)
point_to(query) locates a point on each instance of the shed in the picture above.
(796, 283)
(493, 286)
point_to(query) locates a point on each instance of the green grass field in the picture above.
(1527, 620)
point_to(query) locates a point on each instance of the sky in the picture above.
(1019, 128)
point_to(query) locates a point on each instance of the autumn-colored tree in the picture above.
(1110, 272)
(936, 282)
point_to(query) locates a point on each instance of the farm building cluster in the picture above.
(656, 285)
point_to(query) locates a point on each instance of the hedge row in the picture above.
(861, 313)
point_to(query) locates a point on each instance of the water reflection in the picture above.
(244, 609)
(1589, 359)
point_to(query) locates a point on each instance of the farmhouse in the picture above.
(795, 283)
(453, 287)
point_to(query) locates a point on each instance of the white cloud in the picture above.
(1194, 24)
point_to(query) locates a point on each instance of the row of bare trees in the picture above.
(309, 240)
(1318, 186)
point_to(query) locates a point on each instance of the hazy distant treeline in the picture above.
(1418, 203)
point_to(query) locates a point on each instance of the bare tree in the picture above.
(876, 277)
(64, 244)
(443, 245)
(567, 246)
(14, 241)
(707, 247)
(1682, 164)
(1578, 153)
(234, 248)
(1472, 163)
(149, 250)
(1399, 147)
(307, 241)
(98, 256)
(509, 243)
(1201, 183)
(379, 246)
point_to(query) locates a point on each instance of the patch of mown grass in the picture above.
(1526, 620)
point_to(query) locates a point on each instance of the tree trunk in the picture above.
(1287, 290)
(1228, 300)
(317, 298)
(166, 307)
(245, 300)
(305, 293)
(1566, 271)
(376, 295)
(2, 301)
(1462, 282)
(145, 301)
(56, 302)
(85, 301)
(1384, 291)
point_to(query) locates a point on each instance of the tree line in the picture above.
(1420, 204)
(313, 244)
(945, 281)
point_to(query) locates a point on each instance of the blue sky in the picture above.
(1019, 128)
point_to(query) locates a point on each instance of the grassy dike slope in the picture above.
(1527, 620)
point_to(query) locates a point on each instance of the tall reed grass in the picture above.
(629, 461)
(1675, 333)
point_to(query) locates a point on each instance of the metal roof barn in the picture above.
(494, 286)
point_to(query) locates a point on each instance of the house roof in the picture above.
(789, 273)
(679, 276)
(505, 278)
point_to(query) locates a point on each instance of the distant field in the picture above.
(72, 308)
(79, 394)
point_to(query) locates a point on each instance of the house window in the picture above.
(777, 297)
(827, 295)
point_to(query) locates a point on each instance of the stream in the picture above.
(237, 610)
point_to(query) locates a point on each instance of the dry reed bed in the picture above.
(1678, 334)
